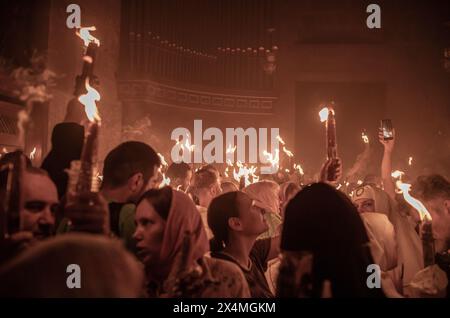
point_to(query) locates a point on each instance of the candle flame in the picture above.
(416, 204)
(88, 100)
(397, 174)
(85, 35)
(359, 182)
(273, 159)
(33, 153)
(231, 149)
(280, 140)
(365, 138)
(246, 173)
(410, 161)
(188, 145)
(323, 114)
(4, 150)
(163, 160)
(299, 168)
(165, 181)
(288, 152)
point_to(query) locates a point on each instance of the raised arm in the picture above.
(386, 164)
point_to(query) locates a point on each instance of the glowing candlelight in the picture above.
(397, 174)
(323, 114)
(85, 35)
(280, 140)
(299, 168)
(327, 115)
(231, 149)
(163, 160)
(33, 153)
(165, 181)
(365, 138)
(410, 160)
(426, 231)
(287, 152)
(89, 101)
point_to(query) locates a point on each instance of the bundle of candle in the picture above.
(87, 180)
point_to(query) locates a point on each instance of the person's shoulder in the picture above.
(231, 278)
(221, 265)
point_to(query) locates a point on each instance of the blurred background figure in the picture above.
(106, 269)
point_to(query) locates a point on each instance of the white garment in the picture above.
(383, 243)
(384, 249)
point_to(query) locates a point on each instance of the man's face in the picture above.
(186, 181)
(252, 217)
(149, 232)
(142, 187)
(216, 189)
(40, 205)
(439, 209)
(365, 205)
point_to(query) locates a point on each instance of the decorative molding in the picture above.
(153, 92)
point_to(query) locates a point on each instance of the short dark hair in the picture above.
(160, 199)
(431, 187)
(222, 208)
(178, 170)
(127, 159)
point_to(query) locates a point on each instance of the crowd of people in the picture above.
(205, 236)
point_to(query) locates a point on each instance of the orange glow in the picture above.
(273, 159)
(397, 174)
(163, 160)
(246, 173)
(33, 153)
(280, 140)
(410, 160)
(85, 35)
(164, 182)
(365, 138)
(323, 114)
(299, 168)
(88, 100)
(288, 152)
(231, 149)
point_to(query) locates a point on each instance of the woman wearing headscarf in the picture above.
(172, 243)
(324, 240)
(266, 195)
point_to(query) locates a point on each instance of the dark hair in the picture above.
(431, 187)
(324, 222)
(160, 199)
(178, 170)
(222, 208)
(127, 159)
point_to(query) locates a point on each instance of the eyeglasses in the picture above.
(39, 206)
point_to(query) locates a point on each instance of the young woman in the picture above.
(172, 243)
(236, 222)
